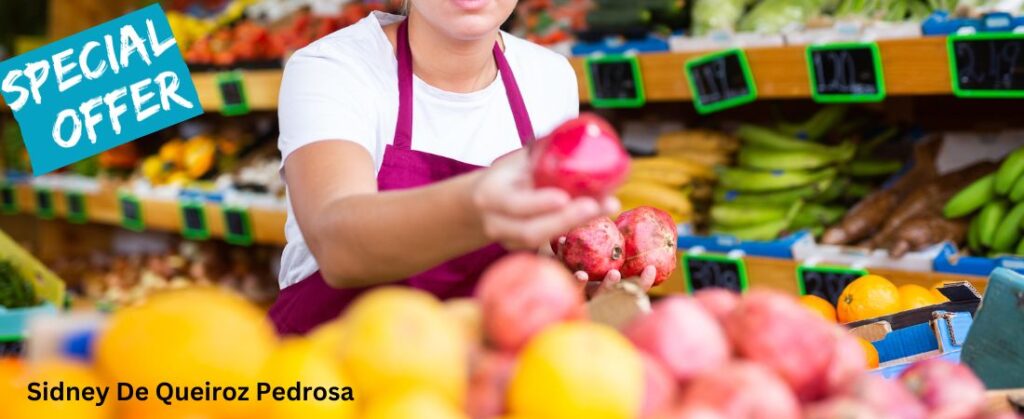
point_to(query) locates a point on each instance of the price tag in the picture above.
(76, 207)
(44, 203)
(231, 85)
(987, 65)
(714, 271)
(237, 227)
(193, 221)
(615, 82)
(8, 199)
(131, 213)
(827, 282)
(846, 72)
(720, 80)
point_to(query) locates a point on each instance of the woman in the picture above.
(382, 127)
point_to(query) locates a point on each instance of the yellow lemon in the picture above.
(399, 339)
(577, 370)
(868, 297)
(300, 361)
(412, 404)
(819, 306)
(915, 296)
(71, 374)
(186, 338)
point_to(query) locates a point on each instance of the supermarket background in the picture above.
(885, 164)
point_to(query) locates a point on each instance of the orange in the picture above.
(915, 296)
(413, 404)
(868, 297)
(819, 306)
(300, 360)
(870, 353)
(939, 298)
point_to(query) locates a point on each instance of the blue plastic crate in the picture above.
(950, 261)
(14, 321)
(611, 46)
(940, 23)
(779, 249)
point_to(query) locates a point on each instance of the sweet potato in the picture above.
(921, 232)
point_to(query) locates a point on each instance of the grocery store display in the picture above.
(987, 211)
(15, 291)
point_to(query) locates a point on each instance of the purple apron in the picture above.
(311, 302)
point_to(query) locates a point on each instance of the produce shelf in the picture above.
(158, 215)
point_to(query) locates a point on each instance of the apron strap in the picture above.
(403, 127)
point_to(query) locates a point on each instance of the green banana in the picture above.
(1020, 248)
(734, 215)
(872, 168)
(761, 232)
(1011, 170)
(1017, 191)
(815, 127)
(868, 147)
(972, 197)
(974, 236)
(857, 191)
(817, 214)
(834, 191)
(760, 181)
(781, 197)
(768, 159)
(758, 136)
(989, 218)
(1008, 232)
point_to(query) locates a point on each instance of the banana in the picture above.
(703, 140)
(760, 232)
(628, 204)
(1017, 191)
(701, 191)
(817, 214)
(972, 197)
(753, 180)
(868, 147)
(988, 221)
(1008, 232)
(663, 177)
(834, 191)
(1011, 170)
(872, 168)
(709, 159)
(735, 215)
(768, 159)
(694, 169)
(786, 196)
(660, 196)
(815, 127)
(974, 236)
(758, 136)
(856, 190)
(1020, 248)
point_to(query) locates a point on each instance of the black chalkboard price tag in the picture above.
(237, 226)
(234, 101)
(720, 80)
(987, 65)
(44, 203)
(193, 221)
(714, 271)
(8, 199)
(131, 212)
(615, 81)
(827, 282)
(75, 202)
(846, 72)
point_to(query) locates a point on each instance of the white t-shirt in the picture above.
(345, 87)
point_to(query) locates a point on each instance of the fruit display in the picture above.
(763, 355)
(777, 16)
(632, 19)
(987, 210)
(548, 22)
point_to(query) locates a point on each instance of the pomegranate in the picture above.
(488, 383)
(660, 387)
(848, 360)
(948, 390)
(523, 293)
(683, 336)
(686, 411)
(718, 301)
(583, 157)
(776, 331)
(743, 389)
(841, 408)
(886, 396)
(651, 238)
(594, 248)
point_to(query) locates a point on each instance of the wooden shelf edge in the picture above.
(158, 215)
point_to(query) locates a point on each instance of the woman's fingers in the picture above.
(647, 277)
(531, 203)
(610, 280)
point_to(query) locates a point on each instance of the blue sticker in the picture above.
(98, 89)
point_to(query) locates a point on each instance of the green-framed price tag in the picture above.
(234, 101)
(131, 212)
(714, 271)
(720, 80)
(44, 203)
(827, 282)
(615, 81)
(8, 199)
(846, 72)
(193, 221)
(76, 207)
(237, 226)
(987, 65)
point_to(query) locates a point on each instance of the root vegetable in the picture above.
(921, 232)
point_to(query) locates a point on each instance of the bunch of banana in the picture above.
(996, 203)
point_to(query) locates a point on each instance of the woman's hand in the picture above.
(645, 281)
(518, 216)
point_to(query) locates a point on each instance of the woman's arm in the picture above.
(362, 237)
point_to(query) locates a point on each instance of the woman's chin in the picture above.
(472, 27)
